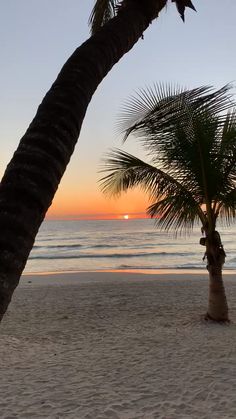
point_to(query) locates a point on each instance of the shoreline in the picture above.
(67, 279)
(159, 272)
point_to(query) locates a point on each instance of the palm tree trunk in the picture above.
(217, 302)
(34, 173)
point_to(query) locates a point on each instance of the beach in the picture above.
(121, 345)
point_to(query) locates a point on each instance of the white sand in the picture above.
(116, 345)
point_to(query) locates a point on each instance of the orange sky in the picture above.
(87, 205)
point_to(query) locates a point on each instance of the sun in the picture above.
(126, 217)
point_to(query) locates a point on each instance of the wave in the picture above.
(156, 267)
(74, 246)
(190, 266)
(58, 246)
(119, 245)
(96, 246)
(107, 255)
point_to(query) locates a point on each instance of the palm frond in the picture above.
(190, 136)
(226, 152)
(164, 105)
(176, 212)
(103, 11)
(180, 130)
(226, 209)
(126, 171)
(181, 5)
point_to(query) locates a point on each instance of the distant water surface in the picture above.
(119, 244)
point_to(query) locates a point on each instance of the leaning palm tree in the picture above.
(34, 173)
(190, 136)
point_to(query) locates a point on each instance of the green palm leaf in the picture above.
(190, 136)
(178, 128)
(126, 171)
(155, 110)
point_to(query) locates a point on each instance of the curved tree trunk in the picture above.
(217, 302)
(33, 175)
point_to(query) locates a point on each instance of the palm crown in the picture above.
(104, 10)
(191, 138)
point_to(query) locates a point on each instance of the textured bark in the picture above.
(217, 302)
(33, 175)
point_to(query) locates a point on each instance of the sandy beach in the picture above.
(117, 345)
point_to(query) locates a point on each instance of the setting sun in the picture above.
(126, 217)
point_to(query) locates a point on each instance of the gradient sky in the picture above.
(36, 39)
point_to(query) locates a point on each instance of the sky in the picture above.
(38, 37)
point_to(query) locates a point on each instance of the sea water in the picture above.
(133, 244)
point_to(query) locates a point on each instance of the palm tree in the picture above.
(34, 173)
(104, 10)
(190, 136)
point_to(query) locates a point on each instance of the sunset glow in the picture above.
(80, 204)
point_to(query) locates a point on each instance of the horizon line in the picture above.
(98, 216)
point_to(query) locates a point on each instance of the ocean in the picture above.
(133, 244)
